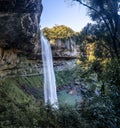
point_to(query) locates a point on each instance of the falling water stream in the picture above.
(50, 93)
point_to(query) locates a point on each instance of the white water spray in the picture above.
(50, 94)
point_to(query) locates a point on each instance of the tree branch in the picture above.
(92, 8)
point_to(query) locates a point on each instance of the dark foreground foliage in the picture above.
(96, 111)
(99, 112)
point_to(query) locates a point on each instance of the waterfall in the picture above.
(50, 94)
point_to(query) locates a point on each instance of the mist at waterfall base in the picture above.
(50, 93)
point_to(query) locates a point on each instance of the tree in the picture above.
(98, 34)
(61, 32)
(107, 13)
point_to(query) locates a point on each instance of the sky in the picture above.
(64, 12)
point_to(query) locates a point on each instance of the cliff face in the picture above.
(19, 23)
(20, 40)
(19, 32)
(65, 49)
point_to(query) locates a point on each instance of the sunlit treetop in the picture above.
(59, 32)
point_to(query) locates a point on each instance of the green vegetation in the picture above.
(106, 15)
(64, 77)
(19, 108)
(18, 89)
(59, 32)
(97, 74)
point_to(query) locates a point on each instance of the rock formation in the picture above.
(19, 23)
(20, 40)
(67, 49)
(19, 33)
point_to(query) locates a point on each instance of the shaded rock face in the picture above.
(65, 49)
(19, 23)
(19, 35)
(20, 6)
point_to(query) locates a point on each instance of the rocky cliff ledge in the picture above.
(19, 32)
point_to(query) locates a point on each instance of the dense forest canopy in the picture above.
(106, 14)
